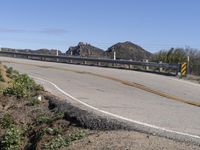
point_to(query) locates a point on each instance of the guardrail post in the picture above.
(57, 55)
(147, 67)
(114, 57)
(188, 66)
(179, 71)
(130, 66)
(160, 68)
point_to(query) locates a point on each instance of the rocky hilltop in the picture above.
(128, 50)
(85, 50)
(125, 50)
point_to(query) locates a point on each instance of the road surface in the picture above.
(155, 100)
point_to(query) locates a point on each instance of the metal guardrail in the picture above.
(127, 64)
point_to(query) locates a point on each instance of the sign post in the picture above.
(183, 69)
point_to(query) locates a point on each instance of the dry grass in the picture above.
(5, 83)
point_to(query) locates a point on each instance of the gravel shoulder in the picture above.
(128, 140)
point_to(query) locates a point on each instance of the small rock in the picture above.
(39, 97)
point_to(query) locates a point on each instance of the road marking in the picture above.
(117, 116)
(128, 83)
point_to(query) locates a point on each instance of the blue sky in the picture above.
(152, 24)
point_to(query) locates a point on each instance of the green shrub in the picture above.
(9, 70)
(58, 116)
(12, 73)
(33, 101)
(56, 143)
(43, 119)
(11, 139)
(76, 136)
(8, 91)
(7, 121)
(23, 86)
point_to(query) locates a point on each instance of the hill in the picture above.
(128, 50)
(39, 51)
(85, 50)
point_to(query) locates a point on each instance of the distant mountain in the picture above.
(39, 51)
(85, 50)
(125, 50)
(128, 50)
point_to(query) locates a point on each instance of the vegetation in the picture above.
(23, 86)
(24, 127)
(11, 139)
(60, 141)
(11, 73)
(33, 101)
(46, 119)
(179, 55)
(1, 77)
(7, 121)
(56, 143)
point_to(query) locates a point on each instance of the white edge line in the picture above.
(114, 115)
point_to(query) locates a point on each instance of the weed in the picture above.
(23, 86)
(7, 121)
(9, 70)
(1, 77)
(57, 131)
(58, 116)
(11, 139)
(43, 119)
(76, 136)
(33, 101)
(56, 143)
(38, 87)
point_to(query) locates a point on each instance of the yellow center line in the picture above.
(125, 82)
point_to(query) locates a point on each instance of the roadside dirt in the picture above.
(127, 140)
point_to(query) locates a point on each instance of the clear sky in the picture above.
(152, 24)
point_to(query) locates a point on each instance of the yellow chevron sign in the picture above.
(183, 69)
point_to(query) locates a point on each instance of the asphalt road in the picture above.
(156, 100)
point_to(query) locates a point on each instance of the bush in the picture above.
(60, 142)
(11, 139)
(9, 70)
(43, 119)
(76, 136)
(7, 121)
(56, 143)
(23, 86)
(33, 101)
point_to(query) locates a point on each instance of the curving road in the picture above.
(153, 100)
